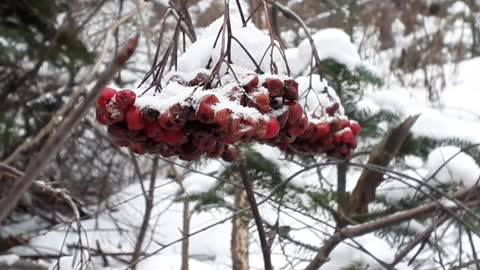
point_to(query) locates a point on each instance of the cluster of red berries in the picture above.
(335, 138)
(260, 108)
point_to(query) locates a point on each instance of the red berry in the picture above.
(205, 112)
(200, 79)
(347, 136)
(291, 90)
(336, 125)
(223, 119)
(282, 118)
(262, 102)
(204, 144)
(174, 137)
(274, 86)
(252, 82)
(355, 127)
(153, 130)
(102, 116)
(134, 119)
(332, 109)
(105, 96)
(273, 127)
(345, 123)
(138, 148)
(309, 133)
(171, 121)
(298, 128)
(322, 129)
(295, 112)
(125, 99)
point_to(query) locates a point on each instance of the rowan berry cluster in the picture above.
(208, 120)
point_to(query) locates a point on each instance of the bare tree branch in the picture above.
(148, 211)
(57, 139)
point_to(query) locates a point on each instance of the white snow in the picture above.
(459, 8)
(197, 183)
(455, 116)
(331, 43)
(449, 165)
(254, 40)
(9, 259)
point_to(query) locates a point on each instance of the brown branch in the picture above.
(148, 211)
(364, 192)
(256, 214)
(57, 139)
(43, 188)
(350, 232)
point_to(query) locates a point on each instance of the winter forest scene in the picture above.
(239, 134)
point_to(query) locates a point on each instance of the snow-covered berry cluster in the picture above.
(190, 117)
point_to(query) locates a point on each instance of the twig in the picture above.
(148, 211)
(57, 139)
(293, 16)
(256, 214)
(418, 239)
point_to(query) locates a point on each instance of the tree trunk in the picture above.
(186, 231)
(240, 233)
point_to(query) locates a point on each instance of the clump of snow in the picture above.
(413, 162)
(346, 253)
(9, 259)
(448, 165)
(459, 8)
(331, 43)
(405, 189)
(174, 93)
(255, 41)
